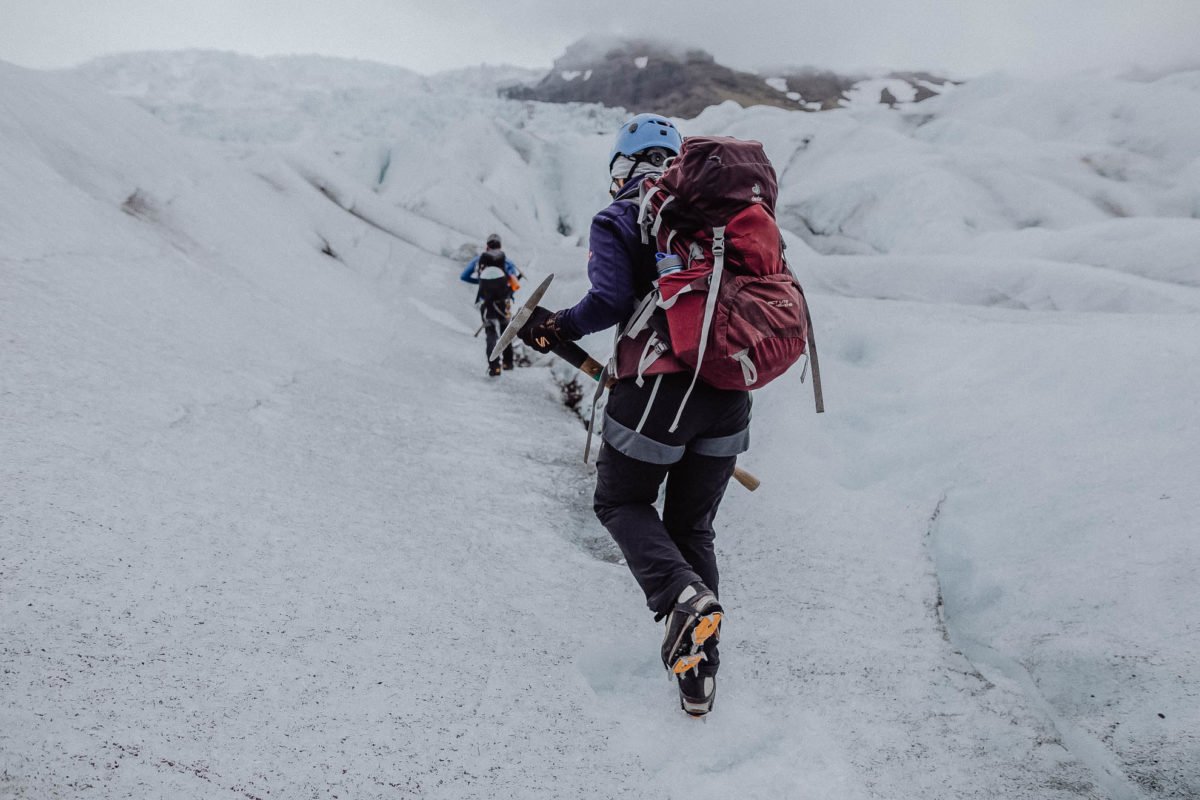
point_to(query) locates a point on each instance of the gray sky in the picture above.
(963, 37)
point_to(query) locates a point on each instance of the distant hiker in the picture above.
(672, 557)
(497, 278)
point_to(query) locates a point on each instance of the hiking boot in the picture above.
(696, 692)
(508, 365)
(494, 371)
(694, 622)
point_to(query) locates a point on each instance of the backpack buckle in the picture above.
(718, 245)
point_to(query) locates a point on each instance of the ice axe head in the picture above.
(520, 318)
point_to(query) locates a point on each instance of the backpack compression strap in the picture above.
(710, 307)
(818, 396)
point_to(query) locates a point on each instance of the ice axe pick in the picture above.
(520, 318)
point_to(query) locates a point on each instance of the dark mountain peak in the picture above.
(647, 74)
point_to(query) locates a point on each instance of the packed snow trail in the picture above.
(363, 580)
(271, 596)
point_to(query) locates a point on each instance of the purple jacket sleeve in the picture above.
(612, 250)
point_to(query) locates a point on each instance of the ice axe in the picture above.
(520, 318)
(570, 352)
(577, 357)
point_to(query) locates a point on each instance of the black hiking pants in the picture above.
(494, 321)
(667, 553)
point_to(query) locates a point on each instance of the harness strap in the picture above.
(601, 384)
(649, 403)
(639, 445)
(710, 307)
(641, 367)
(722, 446)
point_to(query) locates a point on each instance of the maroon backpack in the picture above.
(735, 313)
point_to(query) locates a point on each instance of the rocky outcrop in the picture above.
(645, 75)
(641, 75)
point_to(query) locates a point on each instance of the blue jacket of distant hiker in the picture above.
(620, 267)
(469, 275)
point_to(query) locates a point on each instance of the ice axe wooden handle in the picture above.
(746, 479)
(577, 357)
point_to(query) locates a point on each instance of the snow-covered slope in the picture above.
(254, 537)
(412, 141)
(998, 155)
(265, 528)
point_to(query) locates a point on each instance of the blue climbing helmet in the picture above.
(642, 133)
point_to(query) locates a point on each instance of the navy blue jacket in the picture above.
(620, 268)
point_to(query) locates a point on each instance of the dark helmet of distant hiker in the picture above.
(493, 241)
(641, 136)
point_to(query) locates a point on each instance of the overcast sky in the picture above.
(962, 37)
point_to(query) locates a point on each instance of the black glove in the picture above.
(543, 332)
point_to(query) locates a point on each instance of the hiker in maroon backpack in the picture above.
(692, 340)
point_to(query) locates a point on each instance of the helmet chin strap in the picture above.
(637, 162)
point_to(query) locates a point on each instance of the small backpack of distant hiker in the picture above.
(727, 306)
(495, 285)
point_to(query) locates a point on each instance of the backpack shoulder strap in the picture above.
(710, 305)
